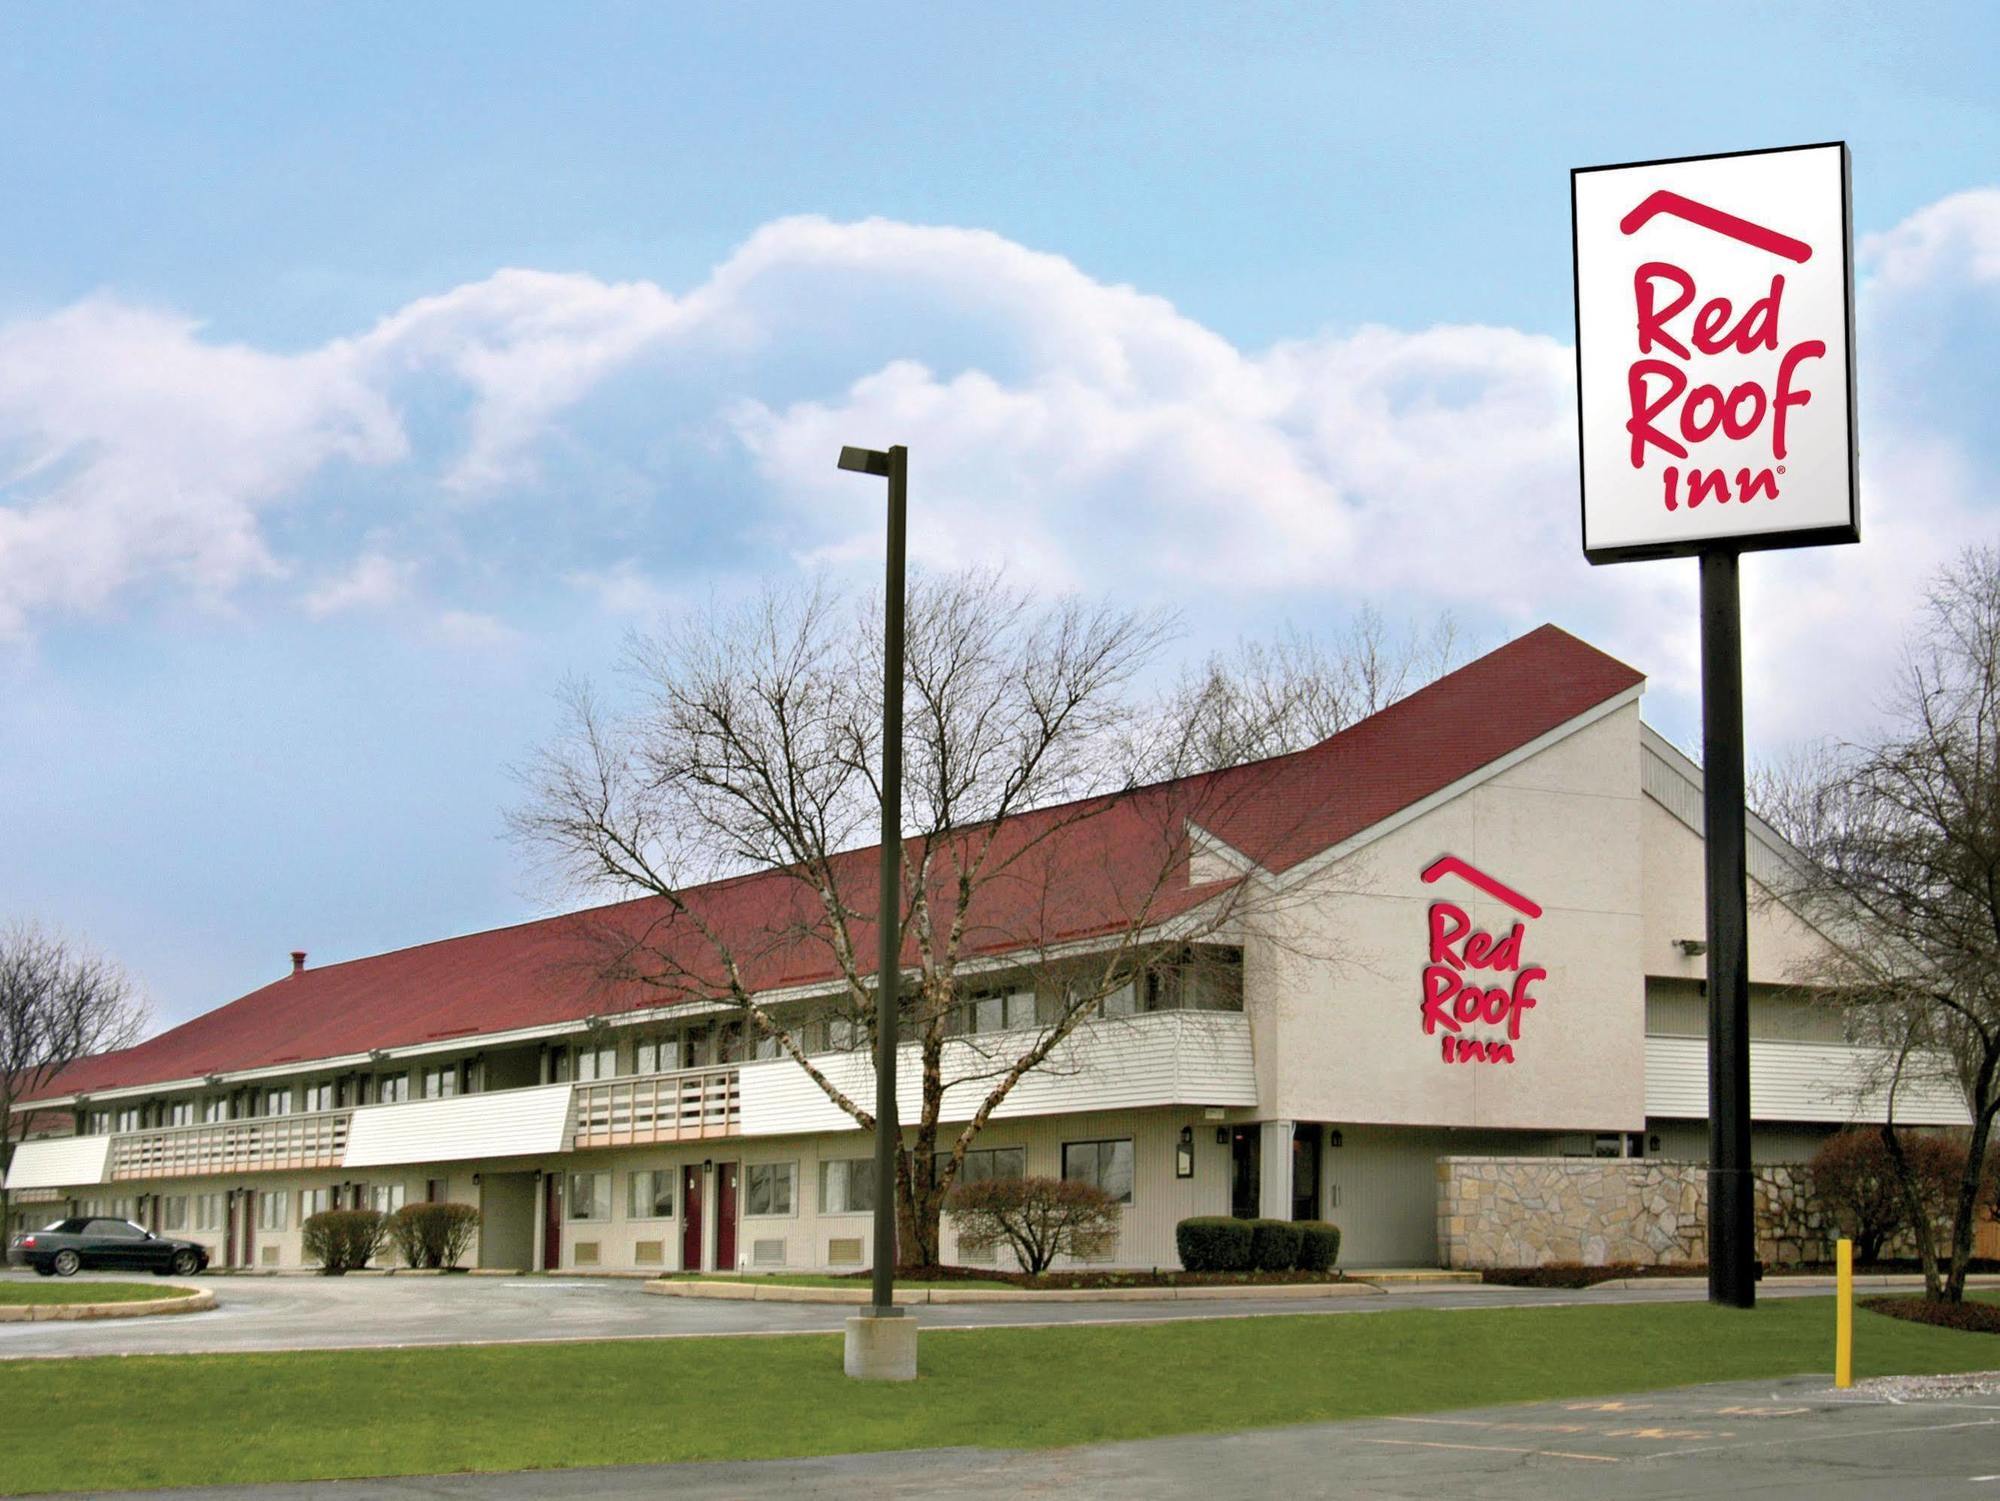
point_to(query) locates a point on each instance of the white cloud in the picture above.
(1090, 435)
(374, 582)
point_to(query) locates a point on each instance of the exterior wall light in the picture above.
(1184, 1154)
(1333, 1138)
(1692, 947)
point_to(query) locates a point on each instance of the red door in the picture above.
(552, 1222)
(691, 1219)
(249, 1197)
(725, 1216)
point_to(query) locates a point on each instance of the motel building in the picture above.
(1489, 990)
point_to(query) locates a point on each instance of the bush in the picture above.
(1319, 1245)
(1040, 1218)
(342, 1240)
(433, 1235)
(1213, 1243)
(1855, 1184)
(1274, 1245)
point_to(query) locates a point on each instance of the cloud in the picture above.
(372, 583)
(1090, 435)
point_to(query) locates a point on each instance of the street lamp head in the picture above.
(864, 460)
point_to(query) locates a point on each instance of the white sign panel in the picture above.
(1714, 353)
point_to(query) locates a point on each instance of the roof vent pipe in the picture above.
(298, 961)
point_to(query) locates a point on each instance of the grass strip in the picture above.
(17, 1294)
(176, 1420)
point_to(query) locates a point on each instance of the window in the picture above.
(729, 1043)
(314, 1201)
(128, 1118)
(599, 1062)
(318, 1096)
(437, 1190)
(1121, 1002)
(392, 1089)
(274, 1209)
(846, 1034)
(847, 1186)
(656, 1055)
(589, 1196)
(650, 1194)
(120, 1229)
(99, 1123)
(215, 1108)
(767, 1187)
(385, 1198)
(439, 1082)
(278, 1101)
(181, 1113)
(1108, 1164)
(208, 1211)
(558, 1065)
(766, 1047)
(986, 1164)
(998, 1011)
(174, 1212)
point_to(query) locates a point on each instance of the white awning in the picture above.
(59, 1162)
(506, 1123)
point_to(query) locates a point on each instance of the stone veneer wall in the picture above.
(1531, 1211)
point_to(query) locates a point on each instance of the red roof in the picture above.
(1071, 871)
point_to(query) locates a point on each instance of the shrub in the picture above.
(1319, 1245)
(1855, 1184)
(342, 1240)
(1041, 1218)
(1274, 1245)
(1213, 1243)
(433, 1235)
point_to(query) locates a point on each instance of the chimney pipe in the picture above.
(298, 961)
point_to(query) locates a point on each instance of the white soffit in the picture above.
(59, 1162)
(506, 1123)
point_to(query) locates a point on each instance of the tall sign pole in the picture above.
(1715, 416)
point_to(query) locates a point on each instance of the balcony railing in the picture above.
(264, 1144)
(685, 1106)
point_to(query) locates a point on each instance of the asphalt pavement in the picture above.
(328, 1313)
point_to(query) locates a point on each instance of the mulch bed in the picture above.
(1975, 1318)
(1572, 1274)
(1158, 1277)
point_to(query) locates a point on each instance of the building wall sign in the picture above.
(1714, 317)
(1477, 985)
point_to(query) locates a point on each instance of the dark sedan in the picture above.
(70, 1246)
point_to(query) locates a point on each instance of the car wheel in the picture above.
(186, 1264)
(67, 1263)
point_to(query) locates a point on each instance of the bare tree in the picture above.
(1052, 862)
(1900, 839)
(1266, 698)
(58, 1002)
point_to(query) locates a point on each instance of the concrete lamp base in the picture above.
(882, 1348)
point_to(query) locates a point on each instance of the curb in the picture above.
(752, 1292)
(40, 1313)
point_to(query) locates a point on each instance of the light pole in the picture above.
(882, 1344)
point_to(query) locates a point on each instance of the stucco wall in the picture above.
(1336, 985)
(1525, 1211)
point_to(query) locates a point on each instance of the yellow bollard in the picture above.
(1843, 1318)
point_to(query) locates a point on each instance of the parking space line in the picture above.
(1425, 1443)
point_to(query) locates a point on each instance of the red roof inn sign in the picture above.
(1714, 353)
(1476, 984)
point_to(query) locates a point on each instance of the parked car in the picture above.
(70, 1246)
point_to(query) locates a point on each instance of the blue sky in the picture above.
(364, 369)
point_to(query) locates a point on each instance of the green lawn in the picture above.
(158, 1420)
(42, 1290)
